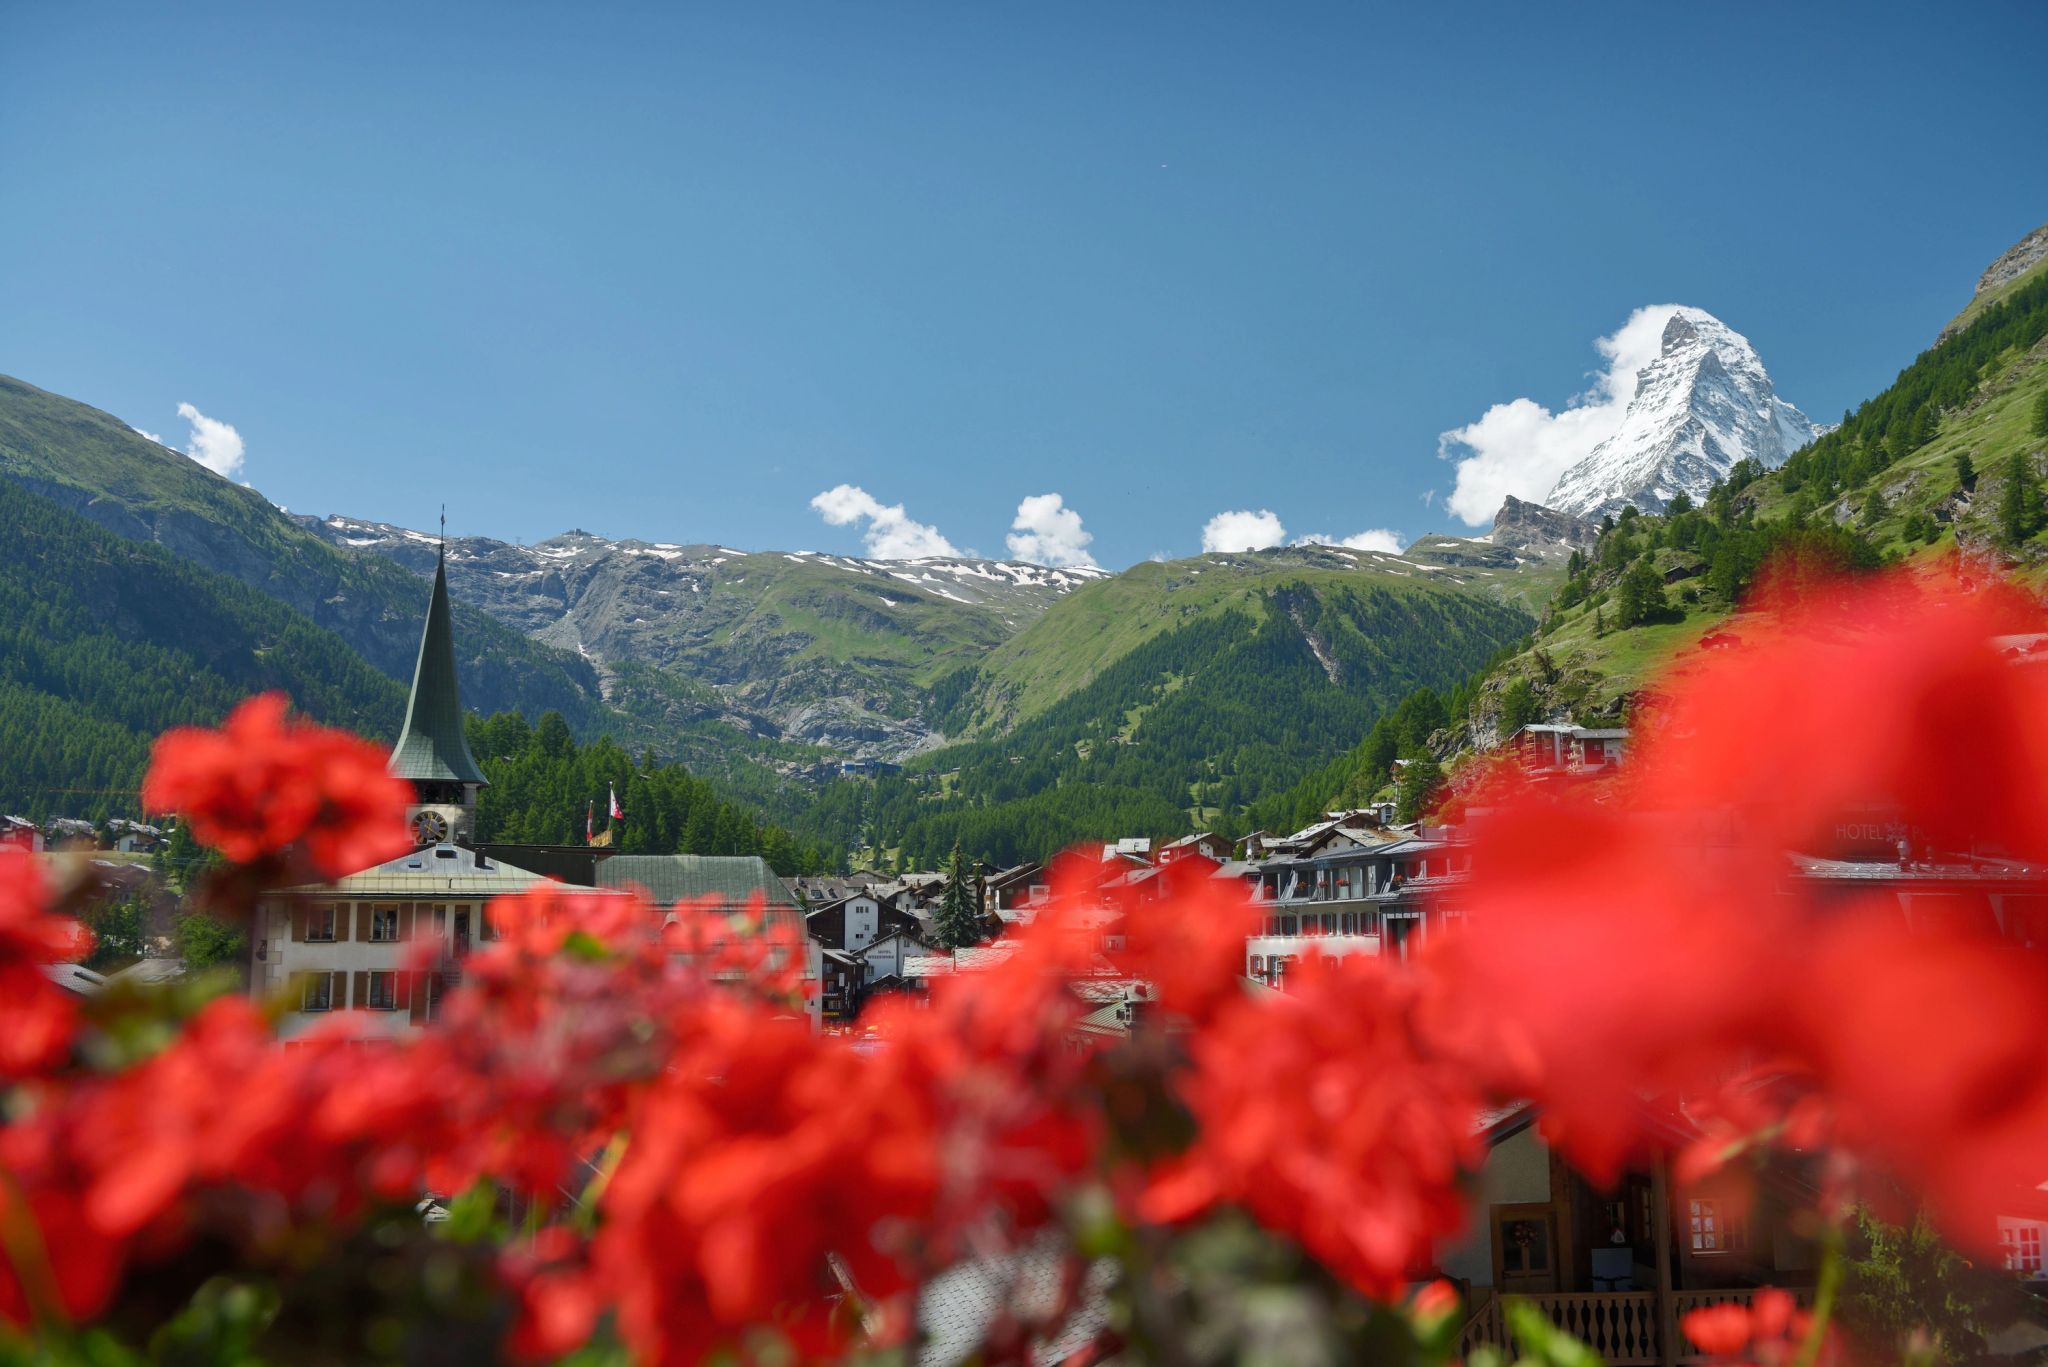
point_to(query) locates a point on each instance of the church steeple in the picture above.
(432, 750)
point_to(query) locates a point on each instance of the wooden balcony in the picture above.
(1626, 1328)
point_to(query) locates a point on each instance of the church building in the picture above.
(349, 945)
(352, 944)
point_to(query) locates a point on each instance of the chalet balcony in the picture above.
(1626, 1328)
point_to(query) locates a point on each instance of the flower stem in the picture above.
(1823, 1297)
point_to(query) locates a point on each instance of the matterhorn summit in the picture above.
(1704, 403)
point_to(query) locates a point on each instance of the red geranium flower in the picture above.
(1326, 1113)
(264, 783)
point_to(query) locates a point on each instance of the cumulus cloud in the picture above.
(889, 533)
(1048, 532)
(1521, 447)
(1376, 539)
(1243, 530)
(214, 444)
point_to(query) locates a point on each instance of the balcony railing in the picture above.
(1624, 1327)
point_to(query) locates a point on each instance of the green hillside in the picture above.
(1951, 454)
(1095, 627)
(96, 465)
(108, 642)
(1172, 694)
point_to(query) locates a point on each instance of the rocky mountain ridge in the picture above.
(1704, 403)
(820, 650)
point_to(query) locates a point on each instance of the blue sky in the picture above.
(673, 271)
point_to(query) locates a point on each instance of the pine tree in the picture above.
(2020, 510)
(954, 925)
(1966, 470)
(2041, 414)
(1416, 793)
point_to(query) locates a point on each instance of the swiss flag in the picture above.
(589, 821)
(618, 812)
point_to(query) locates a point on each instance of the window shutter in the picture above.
(298, 921)
(363, 914)
(337, 990)
(341, 921)
(421, 986)
(405, 921)
(361, 997)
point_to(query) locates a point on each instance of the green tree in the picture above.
(206, 942)
(2041, 414)
(955, 924)
(1875, 509)
(1900, 1281)
(2020, 510)
(1640, 595)
(1966, 470)
(1518, 706)
(1416, 793)
(117, 931)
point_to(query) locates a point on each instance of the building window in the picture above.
(318, 992)
(383, 992)
(384, 923)
(320, 923)
(1716, 1228)
(2022, 1244)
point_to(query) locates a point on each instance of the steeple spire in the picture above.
(432, 747)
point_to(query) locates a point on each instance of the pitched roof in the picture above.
(431, 745)
(446, 870)
(686, 877)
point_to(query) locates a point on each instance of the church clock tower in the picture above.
(432, 751)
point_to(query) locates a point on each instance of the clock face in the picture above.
(430, 828)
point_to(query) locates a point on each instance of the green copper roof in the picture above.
(432, 745)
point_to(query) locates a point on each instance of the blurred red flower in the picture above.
(1326, 1113)
(264, 784)
(40, 1017)
(1650, 938)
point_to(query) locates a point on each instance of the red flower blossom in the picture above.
(263, 784)
(1769, 1331)
(39, 1017)
(1651, 937)
(1326, 1113)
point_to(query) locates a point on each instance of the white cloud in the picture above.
(1521, 447)
(890, 534)
(1048, 532)
(1243, 530)
(1376, 539)
(214, 444)
(142, 432)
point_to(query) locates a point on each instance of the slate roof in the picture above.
(431, 745)
(734, 879)
(444, 870)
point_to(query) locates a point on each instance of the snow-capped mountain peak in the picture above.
(1702, 404)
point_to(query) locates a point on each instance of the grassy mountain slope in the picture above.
(1174, 694)
(94, 464)
(107, 642)
(1095, 627)
(1921, 469)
